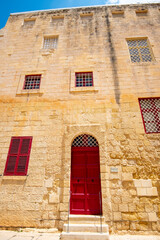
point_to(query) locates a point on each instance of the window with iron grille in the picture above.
(150, 110)
(18, 156)
(140, 50)
(50, 42)
(85, 140)
(32, 82)
(84, 79)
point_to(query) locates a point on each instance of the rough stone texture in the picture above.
(58, 112)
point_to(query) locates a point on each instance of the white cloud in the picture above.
(136, 1)
(130, 1)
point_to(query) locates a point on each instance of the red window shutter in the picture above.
(14, 146)
(11, 164)
(25, 146)
(22, 164)
(18, 156)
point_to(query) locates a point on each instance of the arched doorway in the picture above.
(85, 176)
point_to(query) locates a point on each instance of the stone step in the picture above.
(85, 227)
(84, 236)
(78, 219)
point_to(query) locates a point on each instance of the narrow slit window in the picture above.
(18, 156)
(140, 50)
(32, 82)
(84, 79)
(50, 42)
(150, 110)
(141, 12)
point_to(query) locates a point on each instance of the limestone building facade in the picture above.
(80, 117)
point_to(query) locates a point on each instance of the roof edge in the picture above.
(94, 6)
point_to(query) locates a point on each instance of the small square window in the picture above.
(140, 50)
(18, 156)
(29, 22)
(50, 42)
(59, 20)
(84, 79)
(150, 110)
(32, 82)
(141, 12)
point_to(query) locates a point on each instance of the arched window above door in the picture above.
(85, 140)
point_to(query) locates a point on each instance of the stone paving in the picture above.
(35, 235)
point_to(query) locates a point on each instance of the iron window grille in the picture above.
(85, 140)
(50, 42)
(18, 156)
(140, 50)
(32, 82)
(150, 110)
(84, 79)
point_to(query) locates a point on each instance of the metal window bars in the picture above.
(85, 140)
(150, 110)
(50, 42)
(139, 50)
(84, 79)
(32, 82)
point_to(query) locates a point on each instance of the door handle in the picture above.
(78, 180)
(92, 180)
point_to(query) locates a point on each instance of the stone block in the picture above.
(148, 191)
(117, 216)
(141, 191)
(123, 207)
(113, 176)
(63, 207)
(146, 183)
(154, 191)
(48, 183)
(143, 216)
(114, 207)
(131, 207)
(148, 207)
(127, 177)
(53, 198)
(152, 216)
(137, 183)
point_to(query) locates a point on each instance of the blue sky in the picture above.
(11, 6)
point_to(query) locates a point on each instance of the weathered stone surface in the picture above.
(58, 112)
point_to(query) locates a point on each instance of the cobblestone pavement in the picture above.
(34, 235)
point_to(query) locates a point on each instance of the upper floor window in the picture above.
(50, 42)
(140, 50)
(18, 156)
(150, 110)
(32, 82)
(29, 22)
(84, 79)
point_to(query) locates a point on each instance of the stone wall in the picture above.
(58, 112)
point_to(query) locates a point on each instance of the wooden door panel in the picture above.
(78, 172)
(78, 205)
(85, 181)
(92, 172)
(92, 189)
(93, 206)
(78, 188)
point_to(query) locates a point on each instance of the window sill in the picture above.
(143, 63)
(83, 89)
(20, 178)
(46, 52)
(30, 92)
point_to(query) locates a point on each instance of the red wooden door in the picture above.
(85, 181)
